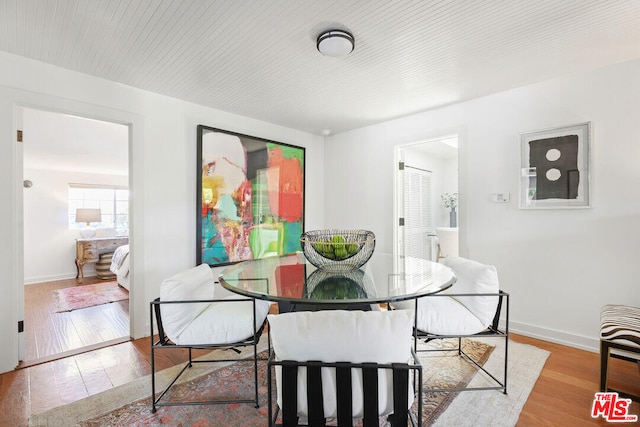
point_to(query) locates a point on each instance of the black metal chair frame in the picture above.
(370, 371)
(492, 331)
(163, 342)
(605, 353)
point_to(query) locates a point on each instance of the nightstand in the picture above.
(89, 250)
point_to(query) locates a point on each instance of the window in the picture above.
(113, 202)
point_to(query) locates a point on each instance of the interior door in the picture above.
(417, 212)
(414, 212)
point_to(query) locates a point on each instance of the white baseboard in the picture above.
(32, 280)
(559, 337)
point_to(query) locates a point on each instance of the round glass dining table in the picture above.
(293, 281)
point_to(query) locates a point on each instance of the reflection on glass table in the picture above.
(292, 279)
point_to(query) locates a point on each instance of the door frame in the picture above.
(20, 205)
(14, 304)
(398, 201)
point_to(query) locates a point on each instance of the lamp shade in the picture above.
(335, 43)
(88, 215)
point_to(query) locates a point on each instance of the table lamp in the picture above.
(88, 216)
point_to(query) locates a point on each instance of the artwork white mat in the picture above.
(543, 180)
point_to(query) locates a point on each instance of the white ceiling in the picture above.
(258, 58)
(54, 141)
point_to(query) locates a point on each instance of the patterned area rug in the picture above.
(447, 370)
(235, 380)
(83, 296)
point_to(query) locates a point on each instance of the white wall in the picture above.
(162, 180)
(49, 244)
(560, 266)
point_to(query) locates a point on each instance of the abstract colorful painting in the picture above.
(250, 197)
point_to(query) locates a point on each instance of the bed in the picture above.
(120, 265)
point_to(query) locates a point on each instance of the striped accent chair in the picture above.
(340, 365)
(619, 338)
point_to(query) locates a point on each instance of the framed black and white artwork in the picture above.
(555, 168)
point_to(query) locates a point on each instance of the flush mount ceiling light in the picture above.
(335, 43)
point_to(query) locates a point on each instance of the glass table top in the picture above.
(293, 279)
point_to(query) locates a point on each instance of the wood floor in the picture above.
(49, 334)
(564, 392)
(562, 396)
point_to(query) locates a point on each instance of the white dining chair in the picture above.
(189, 316)
(471, 308)
(339, 364)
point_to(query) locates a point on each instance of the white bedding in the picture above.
(120, 265)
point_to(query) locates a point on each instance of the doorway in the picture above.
(61, 153)
(426, 184)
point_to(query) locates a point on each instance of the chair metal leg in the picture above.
(255, 370)
(415, 326)
(506, 362)
(153, 382)
(419, 415)
(269, 393)
(493, 331)
(153, 365)
(506, 340)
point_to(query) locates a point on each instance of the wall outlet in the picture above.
(500, 197)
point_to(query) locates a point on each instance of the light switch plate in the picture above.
(500, 197)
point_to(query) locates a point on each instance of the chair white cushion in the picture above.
(343, 336)
(207, 322)
(446, 316)
(442, 315)
(224, 322)
(474, 277)
(193, 284)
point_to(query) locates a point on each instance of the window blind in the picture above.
(417, 212)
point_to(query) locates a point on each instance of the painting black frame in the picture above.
(263, 150)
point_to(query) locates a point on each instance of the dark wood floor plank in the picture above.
(15, 402)
(44, 388)
(91, 324)
(68, 380)
(94, 376)
(114, 323)
(48, 337)
(66, 332)
(48, 333)
(564, 392)
(124, 364)
(34, 320)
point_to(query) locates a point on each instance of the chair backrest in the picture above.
(382, 337)
(447, 241)
(193, 284)
(475, 278)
